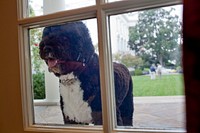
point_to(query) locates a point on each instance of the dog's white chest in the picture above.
(75, 108)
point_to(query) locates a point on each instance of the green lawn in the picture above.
(168, 85)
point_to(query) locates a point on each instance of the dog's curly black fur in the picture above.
(68, 48)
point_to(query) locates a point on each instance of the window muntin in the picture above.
(113, 8)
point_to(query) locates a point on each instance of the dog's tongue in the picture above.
(52, 63)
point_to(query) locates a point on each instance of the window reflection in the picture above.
(42, 7)
(65, 71)
(133, 43)
(149, 43)
(71, 65)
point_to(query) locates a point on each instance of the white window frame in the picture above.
(101, 11)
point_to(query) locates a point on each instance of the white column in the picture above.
(51, 81)
(51, 6)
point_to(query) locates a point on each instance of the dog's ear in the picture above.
(87, 48)
(78, 36)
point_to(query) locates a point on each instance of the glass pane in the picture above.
(42, 7)
(113, 0)
(148, 43)
(65, 74)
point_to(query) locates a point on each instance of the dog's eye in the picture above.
(47, 49)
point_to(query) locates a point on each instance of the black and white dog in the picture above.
(69, 53)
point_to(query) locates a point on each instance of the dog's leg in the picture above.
(119, 118)
(97, 118)
(127, 107)
(62, 108)
(66, 119)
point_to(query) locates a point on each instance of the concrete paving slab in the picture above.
(166, 112)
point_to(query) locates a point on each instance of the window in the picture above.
(141, 48)
(38, 7)
(100, 18)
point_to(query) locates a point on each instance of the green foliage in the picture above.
(129, 60)
(155, 37)
(179, 69)
(168, 85)
(35, 35)
(138, 72)
(39, 86)
(145, 71)
(131, 73)
(38, 76)
(35, 38)
(31, 11)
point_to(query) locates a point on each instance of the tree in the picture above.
(128, 59)
(155, 37)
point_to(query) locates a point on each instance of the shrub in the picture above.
(128, 60)
(145, 71)
(39, 85)
(179, 69)
(131, 72)
(138, 72)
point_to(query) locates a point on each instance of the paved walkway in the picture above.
(159, 112)
(166, 112)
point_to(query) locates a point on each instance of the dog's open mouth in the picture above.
(52, 63)
(62, 67)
